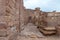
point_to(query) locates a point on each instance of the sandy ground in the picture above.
(30, 32)
(43, 38)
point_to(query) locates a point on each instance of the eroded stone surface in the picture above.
(31, 31)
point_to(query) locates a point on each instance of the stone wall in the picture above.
(3, 16)
(12, 12)
(53, 18)
(30, 14)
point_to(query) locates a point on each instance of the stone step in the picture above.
(47, 32)
(49, 28)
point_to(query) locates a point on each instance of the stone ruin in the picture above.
(47, 22)
(13, 15)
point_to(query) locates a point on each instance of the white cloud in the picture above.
(35, 3)
(46, 5)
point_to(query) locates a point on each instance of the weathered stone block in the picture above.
(3, 38)
(58, 30)
(3, 33)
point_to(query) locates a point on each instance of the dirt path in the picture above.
(31, 30)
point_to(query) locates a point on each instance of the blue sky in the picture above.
(45, 5)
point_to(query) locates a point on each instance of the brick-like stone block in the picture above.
(3, 33)
(3, 38)
(58, 30)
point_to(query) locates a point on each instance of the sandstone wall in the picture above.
(30, 14)
(2, 11)
(12, 12)
(53, 18)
